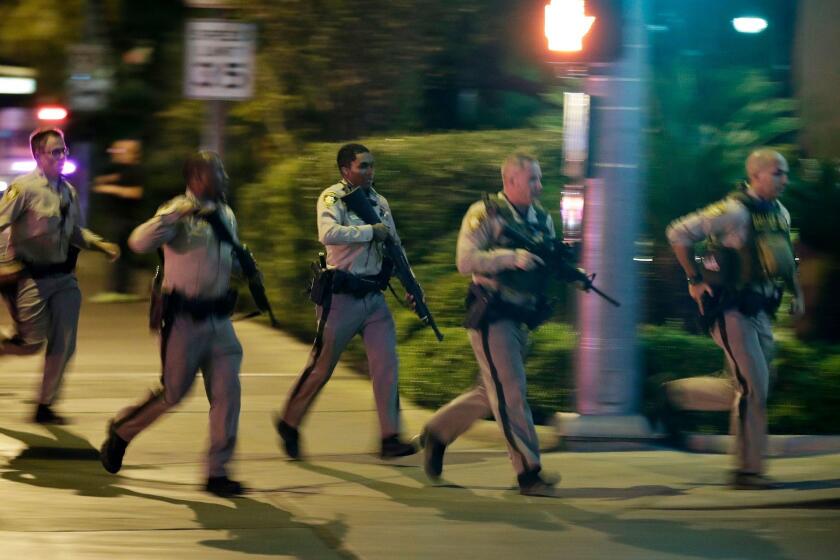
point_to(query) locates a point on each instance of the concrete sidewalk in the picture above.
(343, 502)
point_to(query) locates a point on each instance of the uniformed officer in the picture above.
(748, 232)
(42, 214)
(505, 296)
(352, 303)
(197, 333)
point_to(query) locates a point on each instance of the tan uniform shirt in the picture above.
(727, 221)
(479, 252)
(195, 263)
(44, 220)
(347, 238)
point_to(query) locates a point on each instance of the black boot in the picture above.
(392, 448)
(290, 437)
(44, 414)
(433, 450)
(531, 483)
(112, 451)
(224, 487)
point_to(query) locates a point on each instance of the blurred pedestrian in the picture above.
(196, 332)
(349, 301)
(506, 299)
(120, 193)
(41, 221)
(738, 288)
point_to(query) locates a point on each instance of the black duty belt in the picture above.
(199, 309)
(357, 286)
(44, 270)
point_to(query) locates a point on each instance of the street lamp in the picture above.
(749, 24)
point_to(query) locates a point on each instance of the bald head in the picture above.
(768, 173)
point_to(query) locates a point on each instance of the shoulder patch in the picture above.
(329, 199)
(11, 193)
(717, 208)
(476, 216)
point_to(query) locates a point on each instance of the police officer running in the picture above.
(349, 301)
(40, 220)
(737, 289)
(505, 299)
(196, 333)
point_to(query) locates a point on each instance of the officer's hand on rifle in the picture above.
(524, 260)
(409, 299)
(380, 232)
(697, 290)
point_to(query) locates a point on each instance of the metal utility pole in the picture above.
(607, 372)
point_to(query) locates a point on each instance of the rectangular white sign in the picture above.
(219, 61)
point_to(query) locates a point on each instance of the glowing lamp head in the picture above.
(52, 113)
(566, 25)
(749, 24)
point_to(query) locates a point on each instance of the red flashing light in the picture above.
(52, 113)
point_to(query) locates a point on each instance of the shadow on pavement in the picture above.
(67, 461)
(557, 514)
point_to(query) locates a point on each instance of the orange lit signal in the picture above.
(583, 31)
(566, 24)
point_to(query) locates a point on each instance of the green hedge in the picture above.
(430, 181)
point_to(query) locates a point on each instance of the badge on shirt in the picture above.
(329, 199)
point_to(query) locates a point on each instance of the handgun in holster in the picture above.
(478, 303)
(321, 280)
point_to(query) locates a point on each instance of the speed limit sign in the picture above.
(219, 62)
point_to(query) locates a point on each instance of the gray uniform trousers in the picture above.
(209, 345)
(501, 390)
(340, 318)
(45, 310)
(749, 348)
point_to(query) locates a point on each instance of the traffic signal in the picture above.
(583, 31)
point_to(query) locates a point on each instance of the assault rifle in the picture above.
(558, 259)
(357, 201)
(246, 261)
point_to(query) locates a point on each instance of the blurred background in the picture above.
(441, 91)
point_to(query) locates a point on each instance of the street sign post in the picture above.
(219, 62)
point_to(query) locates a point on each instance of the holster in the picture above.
(485, 307)
(748, 302)
(156, 303)
(321, 284)
(477, 303)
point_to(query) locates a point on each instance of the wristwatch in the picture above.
(696, 279)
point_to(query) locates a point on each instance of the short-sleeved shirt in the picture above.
(482, 251)
(348, 239)
(196, 263)
(44, 220)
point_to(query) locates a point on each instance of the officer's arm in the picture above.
(473, 254)
(330, 212)
(11, 206)
(84, 238)
(716, 220)
(162, 228)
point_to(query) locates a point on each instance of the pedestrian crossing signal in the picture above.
(583, 31)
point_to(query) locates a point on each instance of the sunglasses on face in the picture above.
(58, 152)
